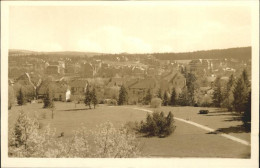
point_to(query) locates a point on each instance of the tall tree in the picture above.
(217, 95)
(48, 100)
(246, 118)
(165, 99)
(94, 97)
(159, 93)
(244, 76)
(183, 97)
(173, 97)
(122, 96)
(148, 97)
(191, 78)
(230, 82)
(240, 94)
(228, 95)
(20, 98)
(88, 97)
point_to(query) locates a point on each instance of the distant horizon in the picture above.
(128, 52)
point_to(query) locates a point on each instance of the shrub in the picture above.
(112, 102)
(158, 125)
(28, 140)
(156, 102)
(132, 127)
(114, 143)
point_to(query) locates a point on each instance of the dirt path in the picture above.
(233, 138)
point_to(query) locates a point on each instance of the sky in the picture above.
(133, 28)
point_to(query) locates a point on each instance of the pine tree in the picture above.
(122, 96)
(228, 95)
(183, 97)
(88, 97)
(244, 76)
(240, 94)
(173, 97)
(148, 97)
(165, 99)
(169, 124)
(230, 82)
(48, 100)
(217, 95)
(20, 98)
(94, 97)
(246, 118)
(191, 78)
(159, 93)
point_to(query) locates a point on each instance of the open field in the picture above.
(187, 140)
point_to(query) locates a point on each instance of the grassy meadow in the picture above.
(186, 141)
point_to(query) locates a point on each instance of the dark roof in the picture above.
(78, 83)
(144, 84)
(56, 87)
(115, 81)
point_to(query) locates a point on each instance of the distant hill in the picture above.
(15, 52)
(242, 53)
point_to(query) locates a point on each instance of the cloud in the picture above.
(110, 39)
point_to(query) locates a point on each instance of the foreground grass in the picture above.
(187, 140)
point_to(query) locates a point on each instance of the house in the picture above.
(68, 95)
(138, 90)
(200, 65)
(174, 79)
(57, 89)
(52, 69)
(117, 81)
(78, 87)
(31, 81)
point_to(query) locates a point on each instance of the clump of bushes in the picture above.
(156, 124)
(110, 102)
(156, 102)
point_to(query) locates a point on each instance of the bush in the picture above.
(156, 102)
(113, 143)
(158, 125)
(132, 127)
(111, 102)
(31, 139)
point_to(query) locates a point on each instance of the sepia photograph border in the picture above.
(136, 162)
